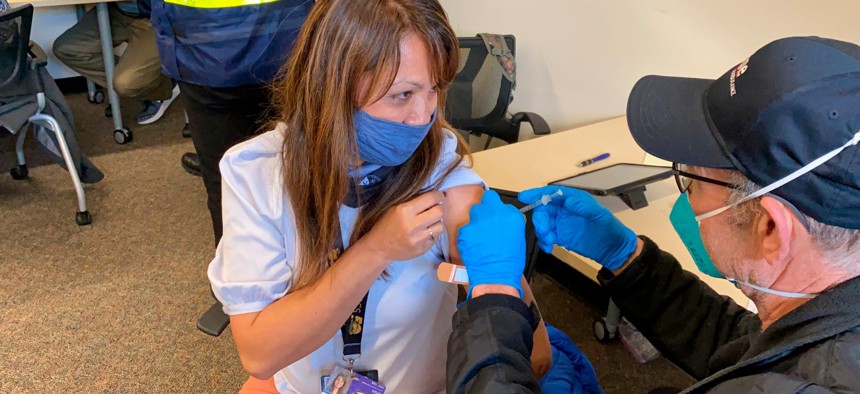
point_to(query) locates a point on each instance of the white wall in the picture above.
(578, 59)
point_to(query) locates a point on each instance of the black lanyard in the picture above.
(353, 329)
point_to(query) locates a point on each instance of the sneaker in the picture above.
(153, 110)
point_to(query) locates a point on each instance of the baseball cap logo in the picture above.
(739, 70)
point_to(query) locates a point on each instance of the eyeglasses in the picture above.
(683, 178)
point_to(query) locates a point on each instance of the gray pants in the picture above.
(138, 72)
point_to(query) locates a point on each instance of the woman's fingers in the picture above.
(424, 202)
(436, 231)
(407, 228)
(430, 216)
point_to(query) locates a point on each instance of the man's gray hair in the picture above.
(838, 245)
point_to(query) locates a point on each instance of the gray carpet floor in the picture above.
(111, 307)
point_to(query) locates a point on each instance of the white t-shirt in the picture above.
(408, 316)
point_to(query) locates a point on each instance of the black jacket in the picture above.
(813, 349)
(488, 352)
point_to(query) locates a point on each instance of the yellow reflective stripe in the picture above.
(218, 3)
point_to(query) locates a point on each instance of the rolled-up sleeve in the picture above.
(250, 269)
(461, 175)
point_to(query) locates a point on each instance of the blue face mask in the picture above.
(387, 143)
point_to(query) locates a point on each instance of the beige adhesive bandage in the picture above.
(451, 273)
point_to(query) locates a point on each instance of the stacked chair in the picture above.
(29, 96)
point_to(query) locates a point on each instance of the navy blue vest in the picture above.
(216, 44)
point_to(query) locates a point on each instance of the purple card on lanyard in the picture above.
(342, 381)
(363, 385)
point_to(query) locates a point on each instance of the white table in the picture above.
(121, 134)
(538, 161)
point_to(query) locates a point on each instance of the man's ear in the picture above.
(774, 228)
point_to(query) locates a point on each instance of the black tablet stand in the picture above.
(634, 198)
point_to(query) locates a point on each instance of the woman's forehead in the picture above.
(415, 62)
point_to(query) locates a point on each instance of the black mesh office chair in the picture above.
(23, 101)
(14, 42)
(477, 101)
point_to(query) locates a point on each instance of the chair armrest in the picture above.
(537, 122)
(39, 57)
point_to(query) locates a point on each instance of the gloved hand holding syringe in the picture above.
(451, 273)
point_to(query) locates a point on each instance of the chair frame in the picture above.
(30, 51)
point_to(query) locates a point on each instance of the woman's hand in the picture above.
(407, 230)
(402, 233)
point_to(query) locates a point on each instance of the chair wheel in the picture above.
(108, 111)
(122, 136)
(83, 218)
(601, 332)
(98, 97)
(186, 131)
(20, 172)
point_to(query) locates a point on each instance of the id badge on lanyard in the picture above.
(346, 379)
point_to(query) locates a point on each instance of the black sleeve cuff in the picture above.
(488, 302)
(650, 252)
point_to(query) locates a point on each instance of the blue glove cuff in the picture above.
(623, 252)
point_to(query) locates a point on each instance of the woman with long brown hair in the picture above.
(360, 160)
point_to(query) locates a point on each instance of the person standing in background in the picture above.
(138, 71)
(223, 53)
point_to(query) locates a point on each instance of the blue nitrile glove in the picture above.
(493, 244)
(576, 222)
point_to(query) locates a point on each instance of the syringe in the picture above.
(544, 199)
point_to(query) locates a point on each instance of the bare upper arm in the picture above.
(458, 202)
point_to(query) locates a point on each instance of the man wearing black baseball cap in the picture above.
(768, 165)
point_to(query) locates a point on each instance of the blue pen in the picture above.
(593, 160)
